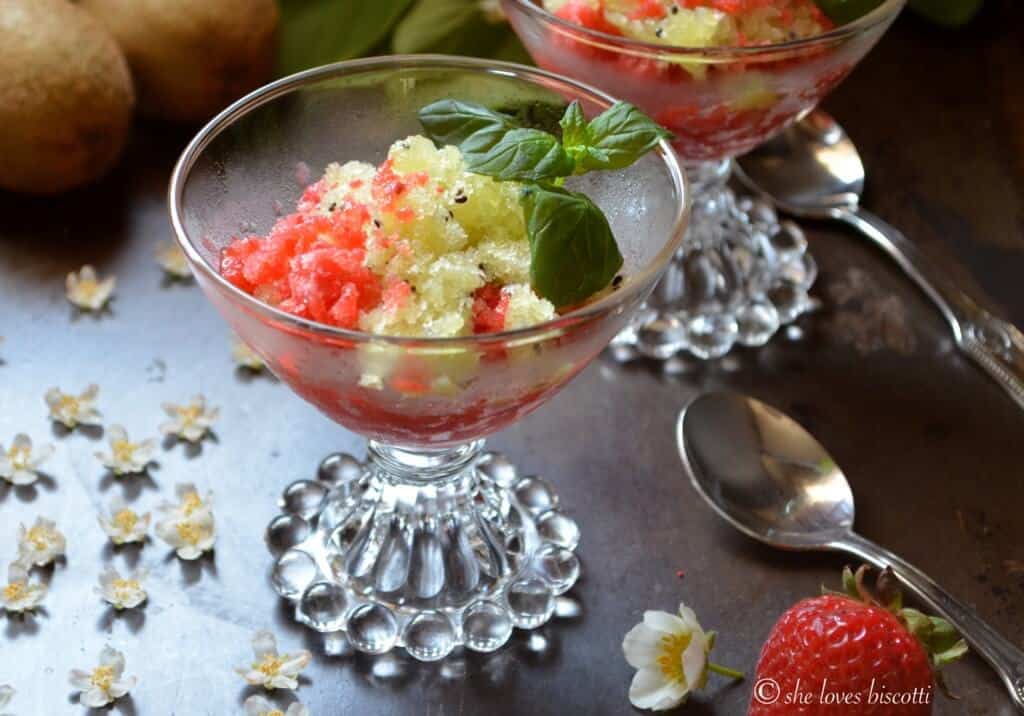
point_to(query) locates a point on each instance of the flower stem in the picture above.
(726, 671)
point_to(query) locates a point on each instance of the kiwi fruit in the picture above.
(191, 58)
(66, 97)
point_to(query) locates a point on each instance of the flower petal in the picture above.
(664, 622)
(81, 680)
(641, 646)
(651, 690)
(695, 659)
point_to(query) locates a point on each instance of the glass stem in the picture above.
(423, 466)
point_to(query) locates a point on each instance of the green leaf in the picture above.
(456, 27)
(432, 23)
(573, 251)
(574, 126)
(616, 138)
(468, 126)
(316, 32)
(522, 155)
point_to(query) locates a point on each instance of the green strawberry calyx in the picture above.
(941, 642)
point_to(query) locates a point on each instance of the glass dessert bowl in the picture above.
(741, 273)
(430, 542)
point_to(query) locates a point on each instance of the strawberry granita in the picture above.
(697, 23)
(415, 247)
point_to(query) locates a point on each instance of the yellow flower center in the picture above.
(69, 404)
(670, 658)
(103, 677)
(19, 457)
(38, 537)
(124, 450)
(123, 585)
(191, 503)
(189, 414)
(189, 532)
(270, 665)
(125, 520)
(14, 590)
(275, 712)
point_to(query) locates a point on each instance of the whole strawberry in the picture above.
(857, 653)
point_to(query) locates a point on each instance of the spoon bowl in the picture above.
(811, 169)
(768, 477)
(772, 480)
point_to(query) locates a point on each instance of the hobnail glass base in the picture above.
(739, 276)
(422, 550)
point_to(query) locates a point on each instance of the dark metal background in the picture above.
(933, 449)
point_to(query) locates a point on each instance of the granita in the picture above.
(417, 246)
(697, 23)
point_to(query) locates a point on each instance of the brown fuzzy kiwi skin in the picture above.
(191, 58)
(66, 97)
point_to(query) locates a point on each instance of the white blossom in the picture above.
(670, 653)
(126, 457)
(41, 543)
(259, 705)
(85, 290)
(172, 260)
(246, 356)
(188, 525)
(105, 683)
(21, 595)
(19, 465)
(122, 592)
(270, 669)
(122, 524)
(73, 410)
(189, 422)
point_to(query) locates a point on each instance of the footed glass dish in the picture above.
(429, 542)
(741, 273)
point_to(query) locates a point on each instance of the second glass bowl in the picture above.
(741, 273)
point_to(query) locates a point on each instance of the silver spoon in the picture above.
(770, 479)
(813, 170)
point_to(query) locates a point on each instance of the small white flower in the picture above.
(20, 595)
(187, 526)
(670, 653)
(259, 705)
(19, 465)
(122, 592)
(270, 669)
(73, 410)
(85, 290)
(172, 260)
(126, 457)
(6, 694)
(104, 684)
(41, 543)
(246, 356)
(123, 524)
(189, 422)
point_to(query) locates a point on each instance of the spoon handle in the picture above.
(1003, 656)
(994, 344)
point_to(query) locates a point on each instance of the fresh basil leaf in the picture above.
(535, 114)
(470, 127)
(573, 253)
(522, 155)
(616, 138)
(574, 126)
(315, 32)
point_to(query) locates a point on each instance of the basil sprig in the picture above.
(573, 253)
